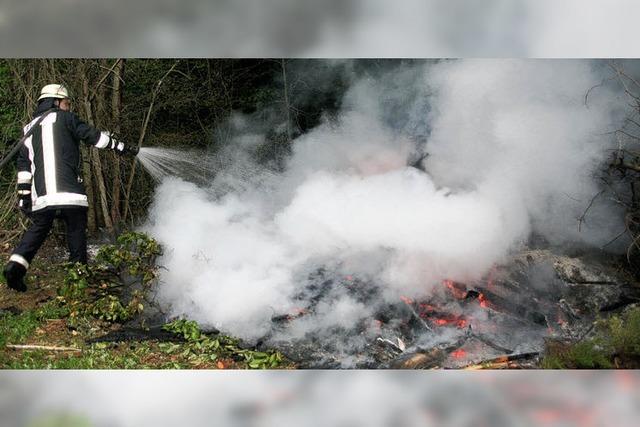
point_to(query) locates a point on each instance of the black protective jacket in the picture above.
(49, 161)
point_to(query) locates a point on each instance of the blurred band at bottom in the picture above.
(314, 398)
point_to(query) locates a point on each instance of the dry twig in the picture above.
(41, 347)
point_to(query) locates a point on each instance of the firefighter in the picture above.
(49, 180)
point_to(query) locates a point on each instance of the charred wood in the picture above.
(502, 362)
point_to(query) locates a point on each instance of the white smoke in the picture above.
(524, 134)
(513, 148)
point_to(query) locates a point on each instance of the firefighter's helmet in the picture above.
(54, 91)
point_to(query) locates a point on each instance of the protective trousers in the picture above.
(75, 220)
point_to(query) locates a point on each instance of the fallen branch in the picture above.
(41, 347)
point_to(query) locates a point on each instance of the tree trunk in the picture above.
(143, 133)
(102, 191)
(286, 98)
(87, 172)
(116, 109)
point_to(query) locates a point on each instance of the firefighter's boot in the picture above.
(14, 274)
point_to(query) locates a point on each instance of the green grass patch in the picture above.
(623, 333)
(15, 329)
(582, 355)
(95, 356)
(616, 343)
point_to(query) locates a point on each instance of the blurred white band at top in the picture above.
(330, 28)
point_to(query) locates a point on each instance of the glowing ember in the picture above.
(458, 290)
(452, 320)
(406, 300)
(458, 354)
(483, 301)
(428, 307)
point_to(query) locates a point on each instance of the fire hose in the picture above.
(16, 147)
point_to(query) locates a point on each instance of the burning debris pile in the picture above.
(352, 254)
(501, 321)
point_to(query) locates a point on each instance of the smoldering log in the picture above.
(421, 360)
(427, 358)
(502, 361)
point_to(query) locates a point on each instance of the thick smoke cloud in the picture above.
(526, 135)
(512, 149)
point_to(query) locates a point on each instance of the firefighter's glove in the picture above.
(24, 197)
(24, 203)
(119, 148)
(125, 150)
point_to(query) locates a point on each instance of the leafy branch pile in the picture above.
(203, 348)
(118, 286)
